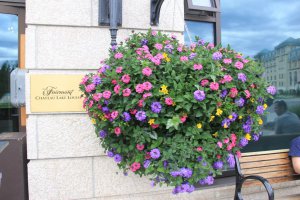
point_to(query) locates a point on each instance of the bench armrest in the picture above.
(265, 182)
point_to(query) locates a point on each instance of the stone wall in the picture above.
(63, 37)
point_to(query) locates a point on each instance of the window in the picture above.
(278, 37)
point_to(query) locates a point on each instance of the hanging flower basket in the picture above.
(174, 113)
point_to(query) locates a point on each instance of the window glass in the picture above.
(204, 30)
(8, 62)
(269, 31)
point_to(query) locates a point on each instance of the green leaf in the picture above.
(174, 122)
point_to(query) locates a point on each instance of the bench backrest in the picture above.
(275, 166)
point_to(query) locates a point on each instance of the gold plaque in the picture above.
(55, 93)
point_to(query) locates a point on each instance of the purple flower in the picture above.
(209, 180)
(271, 90)
(201, 42)
(186, 172)
(152, 183)
(156, 107)
(199, 95)
(126, 116)
(144, 42)
(105, 109)
(255, 137)
(202, 182)
(165, 164)
(169, 48)
(155, 153)
(147, 163)
(96, 80)
(118, 158)
(140, 115)
(199, 159)
(102, 133)
(191, 189)
(223, 93)
(242, 77)
(260, 110)
(234, 117)
(192, 56)
(217, 56)
(218, 164)
(247, 128)
(114, 47)
(175, 173)
(110, 154)
(240, 102)
(243, 142)
(204, 163)
(104, 68)
(231, 161)
(225, 123)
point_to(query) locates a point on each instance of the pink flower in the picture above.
(119, 70)
(227, 60)
(173, 36)
(204, 82)
(239, 65)
(140, 147)
(118, 131)
(184, 58)
(126, 92)
(147, 86)
(245, 60)
(227, 78)
(154, 33)
(114, 114)
(97, 96)
(214, 86)
(248, 94)
(233, 137)
(146, 95)
(169, 101)
(156, 61)
(210, 46)
(154, 126)
(133, 111)
(125, 78)
(238, 153)
(233, 92)
(84, 80)
(229, 147)
(91, 104)
(193, 45)
(118, 56)
(238, 55)
(226, 140)
(140, 103)
(199, 149)
(84, 102)
(198, 66)
(139, 88)
(179, 48)
(158, 46)
(220, 144)
(114, 82)
(135, 166)
(147, 71)
(90, 87)
(117, 89)
(183, 118)
(219, 156)
(106, 94)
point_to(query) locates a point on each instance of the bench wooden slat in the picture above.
(265, 163)
(249, 183)
(275, 174)
(267, 169)
(263, 157)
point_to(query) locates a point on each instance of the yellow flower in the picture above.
(163, 89)
(230, 117)
(248, 136)
(173, 104)
(240, 117)
(165, 55)
(260, 121)
(219, 112)
(151, 121)
(252, 100)
(215, 134)
(199, 125)
(211, 118)
(225, 125)
(168, 59)
(102, 118)
(93, 121)
(265, 106)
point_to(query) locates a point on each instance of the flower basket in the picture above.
(177, 114)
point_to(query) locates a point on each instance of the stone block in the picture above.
(60, 179)
(63, 12)
(62, 136)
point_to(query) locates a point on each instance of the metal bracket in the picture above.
(155, 11)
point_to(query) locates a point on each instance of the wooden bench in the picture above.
(275, 166)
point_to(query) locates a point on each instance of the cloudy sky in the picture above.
(8, 37)
(252, 25)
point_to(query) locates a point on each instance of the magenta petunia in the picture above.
(118, 55)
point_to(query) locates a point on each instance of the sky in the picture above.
(8, 37)
(250, 26)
